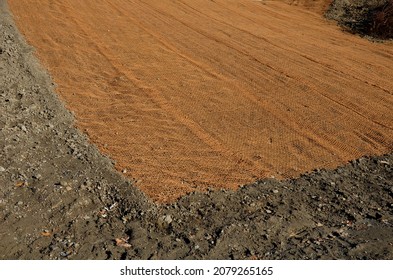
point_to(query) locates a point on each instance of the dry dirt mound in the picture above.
(371, 18)
(188, 95)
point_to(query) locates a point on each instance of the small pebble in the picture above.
(63, 183)
(23, 128)
(2, 169)
(168, 219)
(275, 191)
(268, 211)
(63, 254)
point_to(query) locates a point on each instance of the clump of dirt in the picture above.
(61, 199)
(372, 18)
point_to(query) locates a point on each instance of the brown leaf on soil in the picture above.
(121, 242)
(46, 233)
(20, 184)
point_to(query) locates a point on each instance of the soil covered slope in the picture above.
(189, 95)
(61, 199)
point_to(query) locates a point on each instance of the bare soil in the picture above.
(60, 198)
(372, 19)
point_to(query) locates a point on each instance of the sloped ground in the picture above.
(318, 6)
(369, 18)
(59, 198)
(193, 94)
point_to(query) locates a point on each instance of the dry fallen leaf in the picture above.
(20, 184)
(121, 242)
(46, 233)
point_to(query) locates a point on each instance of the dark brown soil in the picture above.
(61, 199)
(370, 18)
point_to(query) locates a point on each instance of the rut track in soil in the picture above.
(188, 95)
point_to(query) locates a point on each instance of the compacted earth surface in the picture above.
(61, 198)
